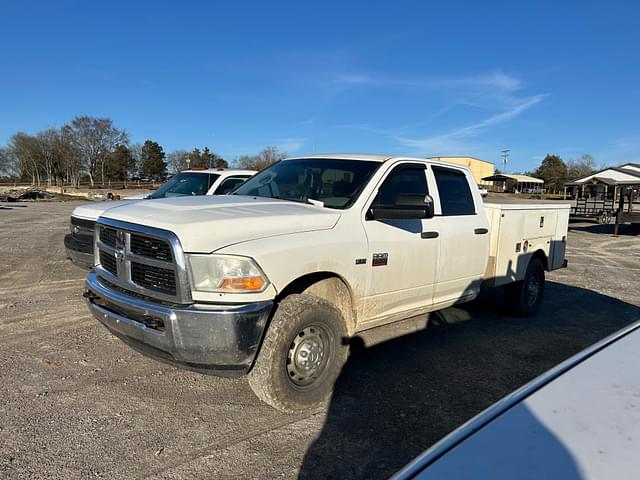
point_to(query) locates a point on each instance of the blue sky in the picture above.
(420, 78)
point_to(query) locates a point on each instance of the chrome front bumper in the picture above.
(218, 339)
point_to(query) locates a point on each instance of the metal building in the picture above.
(479, 168)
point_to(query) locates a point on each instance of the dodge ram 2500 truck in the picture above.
(273, 279)
(207, 181)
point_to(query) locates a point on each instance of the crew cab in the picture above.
(205, 181)
(272, 280)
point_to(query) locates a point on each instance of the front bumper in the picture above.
(81, 254)
(217, 339)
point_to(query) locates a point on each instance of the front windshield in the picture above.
(334, 182)
(185, 184)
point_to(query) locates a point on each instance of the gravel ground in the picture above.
(76, 402)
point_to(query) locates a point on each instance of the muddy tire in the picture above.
(302, 354)
(525, 297)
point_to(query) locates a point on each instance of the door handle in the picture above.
(429, 235)
(481, 231)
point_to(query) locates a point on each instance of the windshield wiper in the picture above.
(296, 200)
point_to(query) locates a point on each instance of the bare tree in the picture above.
(136, 153)
(268, 156)
(70, 165)
(26, 150)
(581, 167)
(177, 160)
(95, 139)
(9, 164)
(47, 144)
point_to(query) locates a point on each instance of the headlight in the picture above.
(225, 274)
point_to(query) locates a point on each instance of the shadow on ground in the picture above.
(396, 399)
(623, 229)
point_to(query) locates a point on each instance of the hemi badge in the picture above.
(380, 259)
(361, 261)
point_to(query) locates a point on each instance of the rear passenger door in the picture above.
(464, 235)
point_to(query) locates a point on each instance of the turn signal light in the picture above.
(247, 284)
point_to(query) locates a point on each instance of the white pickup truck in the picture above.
(274, 279)
(78, 243)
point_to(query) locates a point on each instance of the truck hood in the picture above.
(204, 224)
(91, 211)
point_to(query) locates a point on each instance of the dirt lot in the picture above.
(75, 402)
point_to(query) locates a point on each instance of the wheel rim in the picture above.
(533, 289)
(308, 355)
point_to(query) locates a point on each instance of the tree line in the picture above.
(556, 172)
(94, 150)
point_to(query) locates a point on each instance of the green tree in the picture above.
(152, 162)
(553, 171)
(206, 159)
(195, 159)
(121, 164)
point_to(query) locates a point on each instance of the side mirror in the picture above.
(407, 206)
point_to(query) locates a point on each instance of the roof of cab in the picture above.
(378, 158)
(352, 156)
(225, 171)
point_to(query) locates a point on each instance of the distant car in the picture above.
(79, 242)
(580, 420)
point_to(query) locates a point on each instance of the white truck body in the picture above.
(335, 248)
(516, 228)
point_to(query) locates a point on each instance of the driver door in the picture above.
(402, 260)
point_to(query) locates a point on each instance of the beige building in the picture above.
(479, 168)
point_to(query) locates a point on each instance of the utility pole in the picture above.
(505, 159)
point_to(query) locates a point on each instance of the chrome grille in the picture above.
(150, 247)
(108, 262)
(108, 236)
(142, 260)
(154, 278)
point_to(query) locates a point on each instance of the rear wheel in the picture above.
(524, 297)
(302, 354)
(603, 218)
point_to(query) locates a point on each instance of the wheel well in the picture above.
(539, 254)
(329, 287)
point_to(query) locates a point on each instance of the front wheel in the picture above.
(525, 296)
(302, 354)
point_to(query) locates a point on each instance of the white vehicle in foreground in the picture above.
(206, 181)
(580, 420)
(273, 279)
